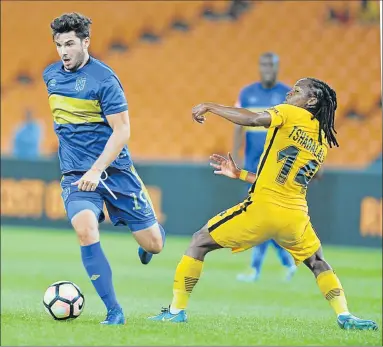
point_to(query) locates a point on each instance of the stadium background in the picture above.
(169, 57)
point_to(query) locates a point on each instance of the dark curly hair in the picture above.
(324, 110)
(72, 22)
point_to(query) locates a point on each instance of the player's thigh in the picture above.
(239, 228)
(132, 208)
(83, 209)
(298, 237)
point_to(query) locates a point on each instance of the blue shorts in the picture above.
(133, 207)
(251, 164)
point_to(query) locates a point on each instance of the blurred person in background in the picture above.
(256, 96)
(369, 11)
(26, 142)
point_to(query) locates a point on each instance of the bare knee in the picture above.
(86, 226)
(155, 245)
(198, 239)
(201, 244)
(317, 264)
(150, 239)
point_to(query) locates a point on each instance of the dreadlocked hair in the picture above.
(324, 110)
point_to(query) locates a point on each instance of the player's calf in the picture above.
(96, 264)
(187, 275)
(332, 290)
(328, 282)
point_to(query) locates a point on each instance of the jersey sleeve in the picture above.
(45, 79)
(279, 115)
(112, 97)
(47, 74)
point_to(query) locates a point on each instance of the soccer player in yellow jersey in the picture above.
(300, 132)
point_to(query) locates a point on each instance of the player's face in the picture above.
(71, 49)
(268, 69)
(300, 94)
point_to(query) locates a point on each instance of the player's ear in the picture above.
(312, 102)
(86, 42)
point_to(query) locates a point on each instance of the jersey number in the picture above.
(141, 197)
(305, 173)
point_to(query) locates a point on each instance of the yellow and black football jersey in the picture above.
(292, 155)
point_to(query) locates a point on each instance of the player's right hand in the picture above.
(89, 181)
(199, 111)
(225, 166)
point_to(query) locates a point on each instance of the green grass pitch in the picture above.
(221, 311)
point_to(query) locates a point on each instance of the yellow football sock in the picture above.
(332, 290)
(187, 275)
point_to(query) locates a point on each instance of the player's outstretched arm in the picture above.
(228, 167)
(240, 116)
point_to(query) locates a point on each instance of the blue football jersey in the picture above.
(79, 102)
(256, 98)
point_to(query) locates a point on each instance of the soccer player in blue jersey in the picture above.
(91, 120)
(255, 97)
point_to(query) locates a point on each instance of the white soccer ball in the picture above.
(64, 300)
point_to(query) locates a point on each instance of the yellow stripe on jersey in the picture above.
(255, 129)
(144, 189)
(67, 110)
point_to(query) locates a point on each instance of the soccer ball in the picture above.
(64, 300)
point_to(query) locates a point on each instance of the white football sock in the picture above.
(174, 310)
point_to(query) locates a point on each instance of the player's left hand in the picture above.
(225, 166)
(199, 111)
(89, 181)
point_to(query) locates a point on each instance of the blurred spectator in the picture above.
(234, 9)
(237, 7)
(364, 4)
(26, 142)
(369, 11)
(340, 16)
(353, 114)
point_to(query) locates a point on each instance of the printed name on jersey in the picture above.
(302, 138)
